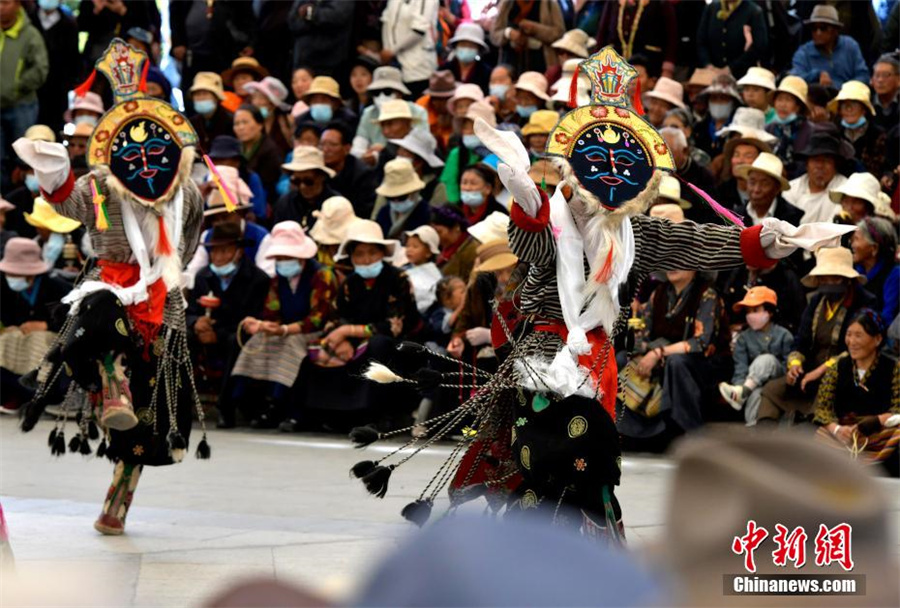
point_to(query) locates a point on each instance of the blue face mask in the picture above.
(288, 268)
(31, 182)
(404, 206)
(205, 106)
(321, 112)
(223, 271)
(17, 283)
(786, 120)
(369, 271)
(48, 5)
(471, 141)
(264, 112)
(471, 198)
(499, 91)
(86, 119)
(526, 111)
(720, 111)
(53, 248)
(854, 125)
(466, 55)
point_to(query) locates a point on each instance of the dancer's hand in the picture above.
(521, 186)
(514, 165)
(50, 162)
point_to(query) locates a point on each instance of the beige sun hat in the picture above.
(495, 255)
(332, 221)
(465, 91)
(852, 90)
(307, 158)
(824, 13)
(702, 78)
(210, 82)
(670, 91)
(533, 82)
(324, 85)
(393, 109)
(484, 111)
(766, 163)
(758, 77)
(749, 123)
(669, 211)
(492, 228)
(365, 231)
(860, 185)
(560, 88)
(469, 32)
(793, 85)
(883, 208)
(670, 189)
(388, 77)
(833, 262)
(40, 133)
(82, 130)
(542, 121)
(400, 178)
(92, 102)
(239, 189)
(427, 235)
(576, 42)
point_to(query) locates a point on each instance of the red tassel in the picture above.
(604, 273)
(163, 246)
(85, 87)
(142, 87)
(636, 100)
(573, 89)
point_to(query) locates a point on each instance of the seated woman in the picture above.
(458, 248)
(686, 335)
(405, 209)
(476, 191)
(260, 152)
(27, 324)
(301, 300)
(874, 246)
(469, 151)
(859, 393)
(376, 310)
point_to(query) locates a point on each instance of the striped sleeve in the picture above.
(531, 239)
(664, 245)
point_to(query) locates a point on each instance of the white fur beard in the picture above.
(171, 263)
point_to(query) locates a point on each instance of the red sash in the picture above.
(146, 316)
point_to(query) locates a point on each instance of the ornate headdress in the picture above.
(146, 143)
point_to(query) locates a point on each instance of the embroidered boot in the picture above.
(118, 413)
(118, 499)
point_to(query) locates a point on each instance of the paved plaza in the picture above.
(266, 503)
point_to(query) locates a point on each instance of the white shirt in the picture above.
(816, 207)
(757, 219)
(424, 279)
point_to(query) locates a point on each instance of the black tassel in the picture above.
(361, 469)
(203, 451)
(75, 443)
(93, 431)
(177, 442)
(85, 448)
(101, 449)
(364, 435)
(428, 379)
(52, 438)
(376, 482)
(59, 447)
(417, 512)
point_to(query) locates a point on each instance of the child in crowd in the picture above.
(760, 352)
(422, 246)
(451, 295)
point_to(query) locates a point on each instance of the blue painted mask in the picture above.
(145, 158)
(612, 164)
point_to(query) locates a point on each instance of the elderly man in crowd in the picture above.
(353, 178)
(829, 59)
(824, 155)
(309, 187)
(765, 183)
(886, 91)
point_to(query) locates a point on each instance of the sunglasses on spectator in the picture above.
(303, 181)
(396, 199)
(820, 27)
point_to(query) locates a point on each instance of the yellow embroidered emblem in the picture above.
(120, 327)
(138, 450)
(525, 457)
(577, 426)
(529, 500)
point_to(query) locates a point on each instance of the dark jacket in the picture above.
(792, 138)
(480, 73)
(220, 123)
(267, 161)
(783, 211)
(782, 279)
(389, 296)
(61, 41)
(656, 37)
(294, 207)
(722, 43)
(322, 40)
(842, 399)
(356, 182)
(272, 32)
(102, 27)
(870, 149)
(804, 339)
(420, 215)
(212, 42)
(244, 298)
(17, 310)
(700, 211)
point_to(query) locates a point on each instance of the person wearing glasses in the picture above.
(829, 58)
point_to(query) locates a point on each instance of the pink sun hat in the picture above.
(22, 258)
(289, 240)
(91, 101)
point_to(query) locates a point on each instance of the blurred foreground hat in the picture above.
(44, 216)
(40, 133)
(22, 257)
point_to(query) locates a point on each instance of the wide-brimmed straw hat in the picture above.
(365, 231)
(91, 102)
(482, 110)
(427, 235)
(465, 91)
(766, 163)
(469, 32)
(40, 133)
(421, 143)
(289, 240)
(332, 221)
(833, 262)
(226, 233)
(724, 85)
(670, 211)
(670, 189)
(81, 130)
(400, 178)
(533, 82)
(308, 158)
(852, 90)
(749, 123)
(44, 216)
(859, 185)
(238, 188)
(824, 13)
(324, 85)
(757, 296)
(388, 77)
(702, 77)
(210, 82)
(495, 255)
(792, 85)
(492, 228)
(577, 42)
(542, 170)
(244, 64)
(393, 109)
(542, 121)
(758, 77)
(22, 257)
(273, 89)
(670, 91)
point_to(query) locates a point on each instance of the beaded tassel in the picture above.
(100, 211)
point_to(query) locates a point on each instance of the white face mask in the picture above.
(381, 98)
(720, 111)
(758, 320)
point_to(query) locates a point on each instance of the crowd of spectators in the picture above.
(370, 213)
